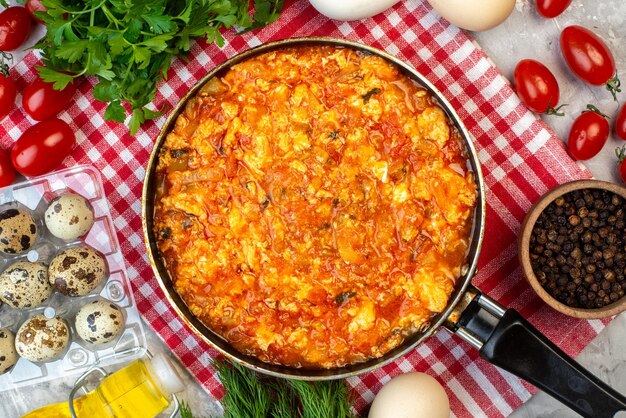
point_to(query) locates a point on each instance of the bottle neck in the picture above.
(164, 374)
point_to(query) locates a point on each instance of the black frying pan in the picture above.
(501, 335)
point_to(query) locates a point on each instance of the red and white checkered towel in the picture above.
(520, 156)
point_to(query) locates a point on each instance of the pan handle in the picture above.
(504, 338)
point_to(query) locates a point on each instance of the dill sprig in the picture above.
(323, 399)
(248, 395)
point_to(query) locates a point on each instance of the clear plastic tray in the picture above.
(34, 195)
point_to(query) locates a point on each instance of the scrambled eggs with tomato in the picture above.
(315, 206)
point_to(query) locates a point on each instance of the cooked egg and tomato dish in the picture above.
(314, 207)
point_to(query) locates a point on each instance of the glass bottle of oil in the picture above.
(140, 390)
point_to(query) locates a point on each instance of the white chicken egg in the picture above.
(411, 395)
(77, 271)
(474, 15)
(99, 322)
(351, 9)
(69, 216)
(8, 356)
(41, 338)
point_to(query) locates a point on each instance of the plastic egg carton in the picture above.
(34, 196)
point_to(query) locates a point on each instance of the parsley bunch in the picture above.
(129, 44)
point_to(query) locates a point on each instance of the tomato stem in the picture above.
(4, 67)
(613, 85)
(592, 108)
(620, 153)
(555, 111)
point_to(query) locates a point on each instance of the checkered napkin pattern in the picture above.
(520, 156)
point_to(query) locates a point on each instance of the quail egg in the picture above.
(99, 322)
(25, 285)
(69, 216)
(41, 338)
(18, 231)
(77, 271)
(8, 356)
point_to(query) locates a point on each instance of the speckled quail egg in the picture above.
(69, 216)
(8, 356)
(18, 231)
(99, 322)
(77, 271)
(25, 285)
(41, 338)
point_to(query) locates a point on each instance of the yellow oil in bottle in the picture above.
(128, 393)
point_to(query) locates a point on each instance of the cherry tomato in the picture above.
(15, 23)
(621, 160)
(589, 58)
(552, 8)
(537, 87)
(620, 123)
(42, 147)
(41, 101)
(7, 95)
(588, 135)
(33, 6)
(7, 172)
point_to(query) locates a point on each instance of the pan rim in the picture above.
(221, 345)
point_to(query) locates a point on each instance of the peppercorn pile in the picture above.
(578, 248)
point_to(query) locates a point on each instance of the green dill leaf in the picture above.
(246, 396)
(323, 399)
(115, 112)
(60, 80)
(284, 401)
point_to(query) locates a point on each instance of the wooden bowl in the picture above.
(524, 249)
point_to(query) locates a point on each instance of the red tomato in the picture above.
(7, 95)
(552, 8)
(537, 87)
(620, 123)
(41, 101)
(33, 6)
(589, 58)
(42, 147)
(15, 23)
(7, 172)
(621, 159)
(588, 135)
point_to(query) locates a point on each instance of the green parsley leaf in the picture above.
(115, 112)
(159, 24)
(60, 80)
(129, 45)
(71, 51)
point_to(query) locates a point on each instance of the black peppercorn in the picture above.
(578, 248)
